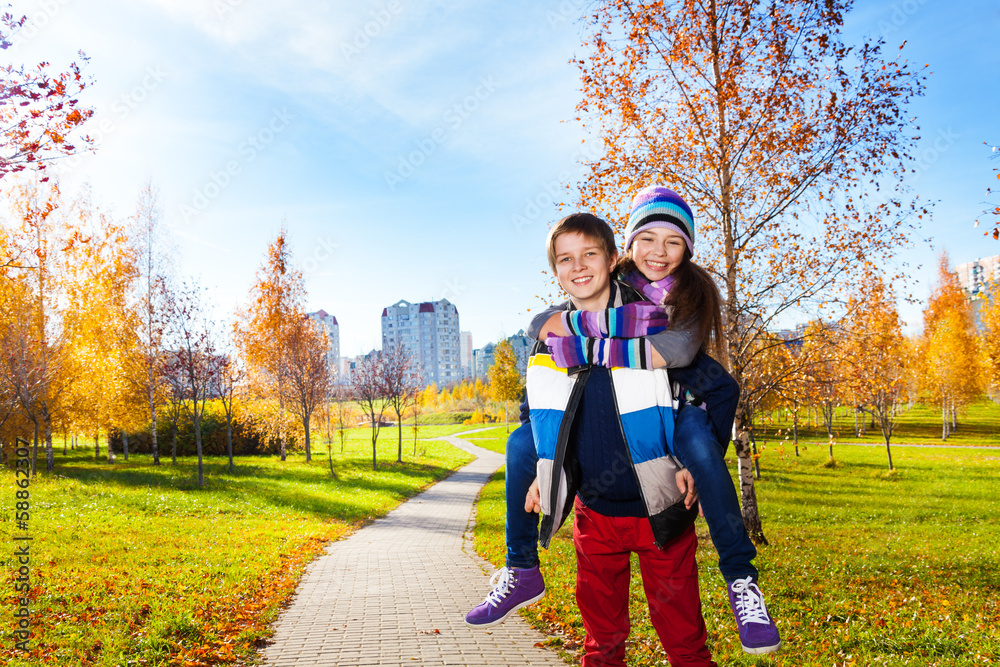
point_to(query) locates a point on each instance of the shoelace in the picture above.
(750, 602)
(502, 582)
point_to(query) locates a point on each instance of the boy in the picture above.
(602, 436)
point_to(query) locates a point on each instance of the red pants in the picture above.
(669, 576)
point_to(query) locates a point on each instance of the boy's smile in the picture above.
(583, 269)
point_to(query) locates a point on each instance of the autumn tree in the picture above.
(992, 213)
(308, 374)
(39, 340)
(343, 410)
(261, 331)
(506, 383)
(789, 145)
(149, 308)
(39, 109)
(402, 381)
(194, 359)
(876, 355)
(989, 340)
(101, 271)
(226, 381)
(369, 383)
(949, 349)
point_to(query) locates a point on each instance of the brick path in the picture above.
(396, 592)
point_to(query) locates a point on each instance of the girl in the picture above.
(657, 262)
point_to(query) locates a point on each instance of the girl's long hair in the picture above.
(694, 296)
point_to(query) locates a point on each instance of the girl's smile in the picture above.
(658, 251)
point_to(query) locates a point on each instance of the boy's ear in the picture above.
(613, 260)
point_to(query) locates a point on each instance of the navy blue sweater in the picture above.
(608, 484)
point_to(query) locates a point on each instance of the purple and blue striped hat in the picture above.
(657, 206)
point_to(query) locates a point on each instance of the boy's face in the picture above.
(583, 269)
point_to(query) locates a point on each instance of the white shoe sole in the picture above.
(761, 650)
(505, 616)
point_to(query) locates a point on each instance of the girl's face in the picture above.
(658, 252)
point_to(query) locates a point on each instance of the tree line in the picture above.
(99, 337)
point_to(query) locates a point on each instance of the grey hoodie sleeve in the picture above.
(539, 320)
(678, 345)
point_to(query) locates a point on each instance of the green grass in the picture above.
(494, 439)
(132, 563)
(863, 567)
(978, 425)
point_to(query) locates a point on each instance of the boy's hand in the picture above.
(685, 482)
(632, 320)
(533, 501)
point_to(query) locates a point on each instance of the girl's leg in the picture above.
(698, 449)
(522, 527)
(602, 581)
(520, 583)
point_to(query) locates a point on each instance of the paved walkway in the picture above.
(396, 592)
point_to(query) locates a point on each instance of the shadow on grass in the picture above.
(354, 495)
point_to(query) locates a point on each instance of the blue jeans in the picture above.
(522, 527)
(699, 450)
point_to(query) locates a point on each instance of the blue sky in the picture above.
(397, 141)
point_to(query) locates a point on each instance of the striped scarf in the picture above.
(656, 292)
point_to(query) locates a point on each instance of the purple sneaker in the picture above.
(758, 634)
(513, 588)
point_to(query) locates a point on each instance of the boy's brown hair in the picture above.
(589, 225)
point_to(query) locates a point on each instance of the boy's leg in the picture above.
(698, 449)
(602, 580)
(520, 583)
(670, 579)
(522, 527)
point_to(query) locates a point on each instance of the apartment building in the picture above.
(329, 324)
(430, 331)
(975, 275)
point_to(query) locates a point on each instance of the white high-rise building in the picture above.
(975, 275)
(430, 331)
(329, 323)
(465, 353)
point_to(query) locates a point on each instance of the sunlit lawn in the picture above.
(493, 439)
(863, 567)
(133, 564)
(978, 425)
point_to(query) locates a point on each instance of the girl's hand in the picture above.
(632, 320)
(685, 482)
(533, 501)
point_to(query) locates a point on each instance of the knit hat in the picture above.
(657, 206)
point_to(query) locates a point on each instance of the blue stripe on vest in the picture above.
(545, 429)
